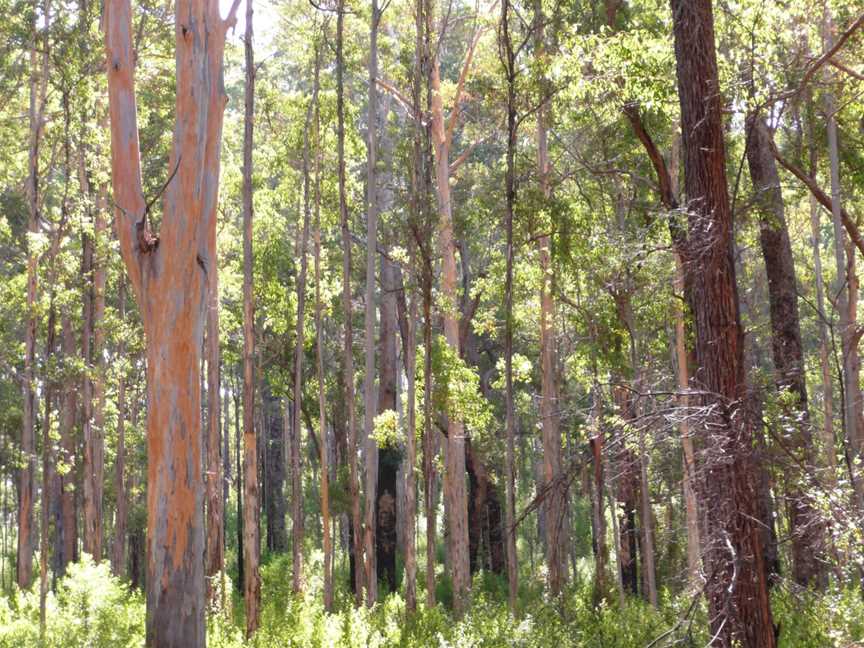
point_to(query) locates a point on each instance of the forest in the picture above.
(455, 323)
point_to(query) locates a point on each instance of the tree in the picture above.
(251, 546)
(168, 274)
(740, 613)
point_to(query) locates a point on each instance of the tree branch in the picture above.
(819, 195)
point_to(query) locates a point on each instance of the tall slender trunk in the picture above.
(455, 495)
(788, 354)
(509, 408)
(410, 460)
(845, 287)
(118, 549)
(555, 504)
(827, 429)
(251, 532)
(737, 589)
(389, 458)
(273, 464)
(598, 515)
(95, 530)
(371, 448)
(348, 352)
(47, 453)
(215, 557)
(69, 454)
(38, 81)
(297, 521)
(319, 362)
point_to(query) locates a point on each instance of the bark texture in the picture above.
(169, 276)
(737, 588)
(788, 353)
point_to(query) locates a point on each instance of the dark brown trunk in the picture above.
(788, 355)
(389, 458)
(275, 505)
(737, 587)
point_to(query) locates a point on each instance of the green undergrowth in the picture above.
(92, 609)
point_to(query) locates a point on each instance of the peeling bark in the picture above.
(169, 278)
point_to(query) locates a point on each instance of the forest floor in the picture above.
(92, 609)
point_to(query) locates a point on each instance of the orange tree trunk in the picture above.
(169, 275)
(737, 589)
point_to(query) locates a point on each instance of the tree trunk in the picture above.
(455, 495)
(118, 550)
(389, 458)
(598, 515)
(509, 60)
(273, 484)
(38, 81)
(852, 397)
(788, 355)
(347, 352)
(215, 557)
(251, 548)
(297, 521)
(739, 609)
(555, 503)
(319, 361)
(371, 448)
(69, 454)
(410, 511)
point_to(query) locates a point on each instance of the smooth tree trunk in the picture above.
(509, 60)
(26, 476)
(118, 549)
(251, 546)
(455, 491)
(68, 454)
(297, 521)
(845, 289)
(371, 448)
(788, 353)
(324, 448)
(827, 429)
(169, 275)
(737, 588)
(348, 338)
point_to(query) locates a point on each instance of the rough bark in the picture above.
(737, 587)
(555, 504)
(389, 458)
(275, 505)
(788, 354)
(215, 557)
(251, 545)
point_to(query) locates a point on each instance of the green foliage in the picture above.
(90, 609)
